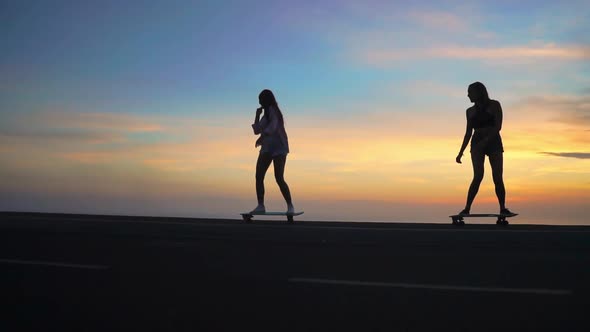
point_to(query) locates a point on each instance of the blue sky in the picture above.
(139, 53)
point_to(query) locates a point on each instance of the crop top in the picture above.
(482, 119)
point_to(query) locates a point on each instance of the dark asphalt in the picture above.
(111, 273)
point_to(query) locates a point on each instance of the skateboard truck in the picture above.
(458, 219)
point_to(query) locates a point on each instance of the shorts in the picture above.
(492, 146)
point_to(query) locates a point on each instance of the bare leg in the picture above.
(279, 166)
(497, 163)
(264, 160)
(477, 160)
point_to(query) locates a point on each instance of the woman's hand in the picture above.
(258, 142)
(458, 159)
(258, 111)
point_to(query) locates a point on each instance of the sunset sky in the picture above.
(145, 107)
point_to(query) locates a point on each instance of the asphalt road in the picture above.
(111, 273)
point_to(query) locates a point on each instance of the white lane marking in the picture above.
(434, 287)
(55, 264)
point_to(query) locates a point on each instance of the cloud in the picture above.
(76, 126)
(91, 157)
(546, 51)
(383, 33)
(381, 56)
(547, 122)
(438, 20)
(56, 134)
(566, 109)
(98, 121)
(577, 155)
(358, 26)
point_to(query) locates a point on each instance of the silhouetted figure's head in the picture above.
(478, 93)
(267, 98)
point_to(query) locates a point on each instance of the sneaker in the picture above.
(464, 212)
(259, 209)
(507, 212)
(290, 209)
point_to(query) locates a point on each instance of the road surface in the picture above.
(108, 273)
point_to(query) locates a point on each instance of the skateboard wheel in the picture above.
(502, 222)
(247, 218)
(290, 219)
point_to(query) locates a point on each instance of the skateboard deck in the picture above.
(458, 218)
(247, 216)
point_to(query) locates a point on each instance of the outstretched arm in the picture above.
(466, 138)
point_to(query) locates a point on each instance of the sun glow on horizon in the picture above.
(156, 118)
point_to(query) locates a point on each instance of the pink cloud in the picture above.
(548, 51)
(439, 20)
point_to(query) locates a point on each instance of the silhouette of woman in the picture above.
(484, 121)
(274, 147)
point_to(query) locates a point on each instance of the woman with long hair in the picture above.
(484, 122)
(274, 147)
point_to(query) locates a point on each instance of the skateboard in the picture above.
(458, 218)
(247, 216)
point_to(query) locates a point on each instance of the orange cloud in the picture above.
(91, 157)
(96, 121)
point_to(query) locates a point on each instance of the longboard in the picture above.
(247, 216)
(458, 218)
